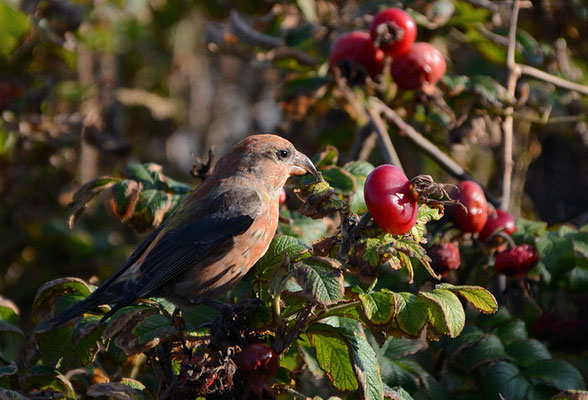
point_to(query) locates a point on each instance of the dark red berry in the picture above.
(355, 51)
(474, 216)
(516, 262)
(258, 362)
(421, 64)
(444, 258)
(283, 196)
(390, 199)
(393, 30)
(501, 221)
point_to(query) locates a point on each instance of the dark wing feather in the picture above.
(214, 222)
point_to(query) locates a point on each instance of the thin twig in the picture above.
(512, 75)
(429, 148)
(556, 80)
(248, 35)
(388, 150)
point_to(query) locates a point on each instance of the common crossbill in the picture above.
(214, 237)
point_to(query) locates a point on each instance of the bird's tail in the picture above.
(78, 308)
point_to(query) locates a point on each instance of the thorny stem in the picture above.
(282, 343)
(292, 392)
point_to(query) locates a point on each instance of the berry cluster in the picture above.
(392, 33)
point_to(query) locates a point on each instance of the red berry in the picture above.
(283, 196)
(444, 258)
(422, 63)
(516, 262)
(471, 195)
(258, 361)
(390, 199)
(357, 49)
(502, 221)
(393, 30)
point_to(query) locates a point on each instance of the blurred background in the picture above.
(89, 86)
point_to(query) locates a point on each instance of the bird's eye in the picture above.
(283, 154)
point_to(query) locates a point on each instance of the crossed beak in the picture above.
(302, 165)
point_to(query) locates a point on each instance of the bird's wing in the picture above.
(212, 224)
(188, 236)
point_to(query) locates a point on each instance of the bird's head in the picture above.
(270, 158)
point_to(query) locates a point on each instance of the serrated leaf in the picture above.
(333, 356)
(379, 307)
(528, 352)
(406, 263)
(556, 373)
(87, 192)
(278, 248)
(320, 200)
(150, 209)
(152, 330)
(412, 313)
(364, 358)
(396, 393)
(489, 348)
(557, 253)
(468, 337)
(512, 331)
(58, 295)
(321, 279)
(149, 174)
(477, 296)
(504, 378)
(447, 315)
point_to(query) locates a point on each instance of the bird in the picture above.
(214, 236)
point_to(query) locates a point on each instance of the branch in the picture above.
(429, 148)
(388, 150)
(556, 80)
(248, 35)
(512, 75)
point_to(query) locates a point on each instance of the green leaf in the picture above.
(578, 280)
(487, 321)
(359, 168)
(70, 346)
(9, 312)
(490, 90)
(329, 156)
(321, 279)
(487, 349)
(424, 214)
(339, 179)
(121, 198)
(512, 331)
(58, 295)
(557, 253)
(305, 229)
(469, 336)
(528, 229)
(556, 373)
(504, 378)
(531, 48)
(153, 330)
(395, 348)
(528, 352)
(279, 247)
(447, 315)
(320, 200)
(477, 296)
(149, 174)
(333, 356)
(42, 378)
(397, 393)
(379, 307)
(364, 359)
(150, 209)
(412, 313)
(13, 25)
